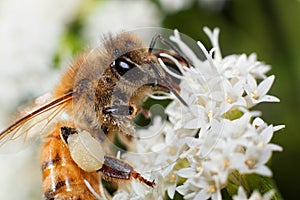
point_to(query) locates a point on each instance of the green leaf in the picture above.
(262, 184)
(177, 196)
(233, 114)
(250, 183)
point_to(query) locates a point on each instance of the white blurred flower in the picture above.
(172, 6)
(29, 34)
(175, 5)
(114, 16)
(254, 196)
(30, 31)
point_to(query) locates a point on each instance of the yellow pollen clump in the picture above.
(172, 178)
(254, 94)
(211, 189)
(200, 101)
(228, 99)
(172, 151)
(196, 151)
(210, 113)
(226, 163)
(261, 144)
(250, 163)
(199, 168)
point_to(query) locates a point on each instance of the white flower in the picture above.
(141, 155)
(254, 196)
(201, 187)
(258, 93)
(135, 191)
(254, 160)
(233, 97)
(166, 181)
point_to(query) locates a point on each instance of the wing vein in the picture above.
(15, 131)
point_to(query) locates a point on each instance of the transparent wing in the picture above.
(27, 129)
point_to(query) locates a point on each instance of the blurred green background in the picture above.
(271, 28)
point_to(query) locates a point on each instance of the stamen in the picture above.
(172, 178)
(210, 114)
(169, 86)
(255, 94)
(161, 97)
(169, 71)
(207, 55)
(250, 163)
(176, 62)
(211, 189)
(91, 189)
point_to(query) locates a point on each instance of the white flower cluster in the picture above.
(200, 146)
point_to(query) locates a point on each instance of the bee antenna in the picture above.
(168, 84)
(168, 44)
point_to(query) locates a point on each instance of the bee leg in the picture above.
(144, 112)
(123, 110)
(117, 169)
(118, 110)
(112, 167)
(65, 132)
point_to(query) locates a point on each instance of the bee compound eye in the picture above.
(123, 65)
(86, 151)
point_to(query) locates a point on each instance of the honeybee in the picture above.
(101, 94)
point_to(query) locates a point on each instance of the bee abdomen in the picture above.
(62, 178)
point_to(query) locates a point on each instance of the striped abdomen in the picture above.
(62, 178)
